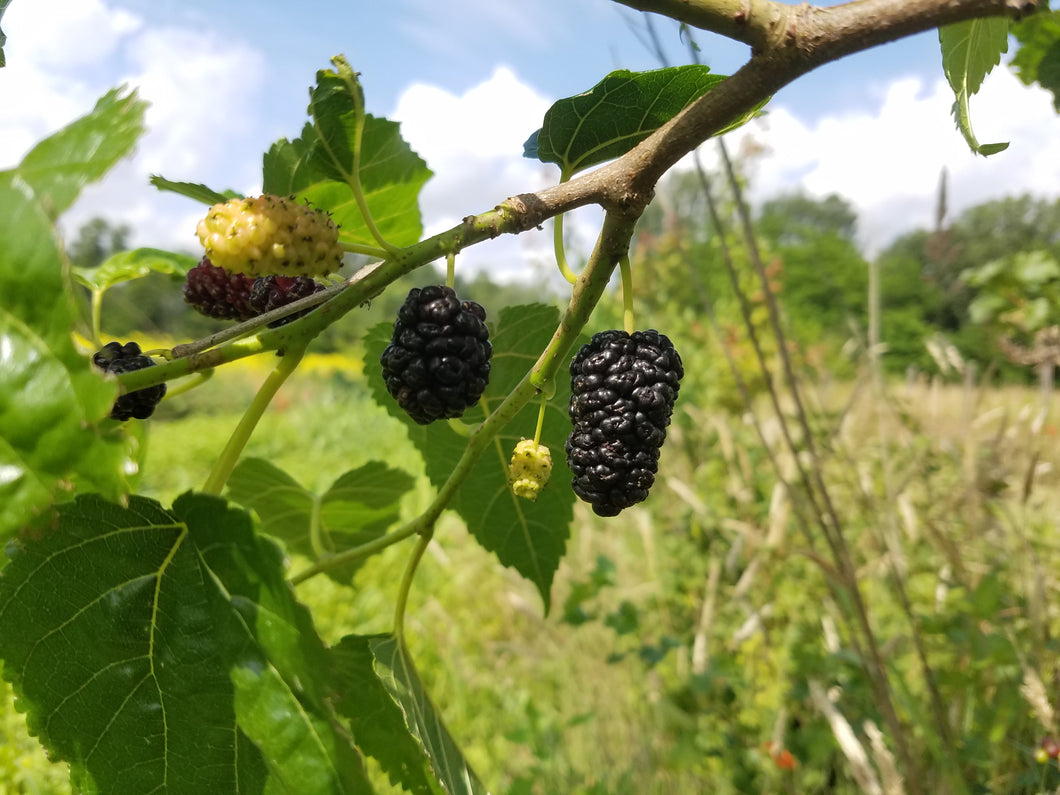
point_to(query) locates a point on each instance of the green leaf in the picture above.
(357, 508)
(3, 38)
(109, 632)
(531, 537)
(986, 307)
(57, 168)
(303, 751)
(54, 438)
(284, 686)
(149, 647)
(1034, 269)
(970, 50)
(1038, 56)
(377, 721)
(319, 166)
(194, 190)
(286, 166)
(617, 114)
(1037, 313)
(395, 670)
(128, 265)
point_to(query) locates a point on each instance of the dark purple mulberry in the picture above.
(272, 292)
(623, 388)
(116, 358)
(219, 294)
(437, 364)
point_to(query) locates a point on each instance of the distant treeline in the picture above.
(810, 248)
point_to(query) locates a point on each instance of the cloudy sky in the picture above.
(470, 81)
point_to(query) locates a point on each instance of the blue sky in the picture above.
(470, 80)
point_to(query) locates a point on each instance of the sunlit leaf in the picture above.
(3, 38)
(193, 190)
(377, 721)
(175, 642)
(319, 166)
(531, 537)
(92, 145)
(395, 670)
(125, 677)
(128, 265)
(1038, 57)
(54, 438)
(970, 50)
(617, 114)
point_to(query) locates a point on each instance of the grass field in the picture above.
(700, 643)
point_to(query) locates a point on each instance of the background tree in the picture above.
(96, 240)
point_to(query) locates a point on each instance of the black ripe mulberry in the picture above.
(438, 361)
(115, 358)
(272, 292)
(218, 293)
(623, 388)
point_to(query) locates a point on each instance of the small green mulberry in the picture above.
(529, 470)
(270, 235)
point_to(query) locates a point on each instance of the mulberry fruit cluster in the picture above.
(623, 388)
(217, 293)
(438, 361)
(529, 470)
(115, 358)
(270, 235)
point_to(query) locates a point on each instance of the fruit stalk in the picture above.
(226, 462)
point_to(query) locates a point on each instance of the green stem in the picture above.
(357, 553)
(316, 542)
(354, 178)
(226, 462)
(450, 269)
(561, 255)
(540, 420)
(97, 312)
(627, 295)
(363, 248)
(197, 380)
(406, 583)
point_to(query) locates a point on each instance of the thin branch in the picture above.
(811, 37)
(749, 21)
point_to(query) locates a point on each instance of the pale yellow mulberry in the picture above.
(529, 470)
(270, 236)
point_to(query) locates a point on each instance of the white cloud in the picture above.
(205, 124)
(474, 145)
(203, 91)
(888, 163)
(51, 51)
